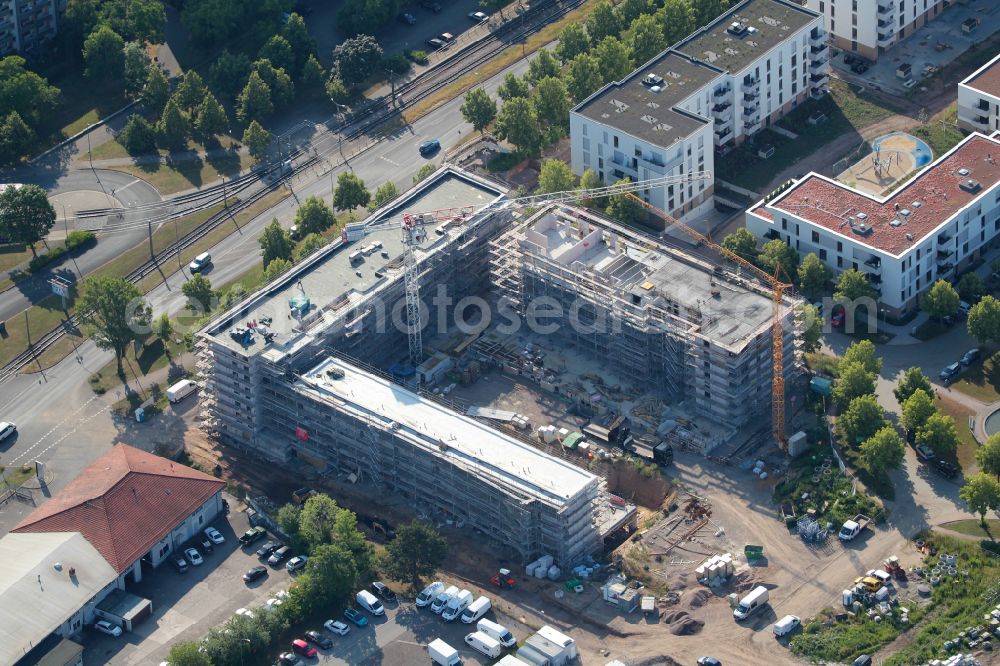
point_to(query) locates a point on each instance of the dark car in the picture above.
(254, 574)
(253, 534)
(950, 372)
(946, 469)
(863, 660)
(431, 5)
(316, 638)
(407, 18)
(180, 564)
(279, 556)
(859, 67)
(289, 659)
(267, 549)
(434, 43)
(383, 591)
(430, 147)
(206, 545)
(924, 453)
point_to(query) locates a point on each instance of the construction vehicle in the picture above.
(891, 565)
(852, 528)
(503, 579)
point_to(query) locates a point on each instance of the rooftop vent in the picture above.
(916, 204)
(971, 186)
(963, 172)
(861, 229)
(904, 213)
(619, 105)
(655, 89)
(896, 223)
(862, 216)
(909, 237)
(737, 29)
(651, 80)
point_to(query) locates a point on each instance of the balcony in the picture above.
(722, 134)
(943, 256)
(886, 9)
(884, 39)
(722, 92)
(751, 126)
(943, 238)
(818, 49)
(722, 112)
(817, 37)
(873, 278)
(819, 79)
(875, 263)
(751, 115)
(750, 84)
(817, 66)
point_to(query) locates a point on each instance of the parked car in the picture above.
(316, 638)
(293, 232)
(924, 453)
(446, 37)
(302, 647)
(200, 262)
(278, 556)
(354, 616)
(108, 628)
(950, 373)
(289, 659)
(336, 627)
(206, 545)
(478, 17)
(708, 661)
(407, 18)
(382, 590)
(963, 309)
(863, 660)
(431, 5)
(849, 59)
(253, 534)
(180, 564)
(970, 357)
(7, 429)
(267, 549)
(194, 557)
(297, 563)
(434, 43)
(946, 469)
(429, 147)
(254, 574)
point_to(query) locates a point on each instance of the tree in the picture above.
(742, 243)
(351, 192)
(645, 39)
(938, 432)
(603, 23)
(583, 76)
(479, 109)
(971, 287)
(337, 91)
(313, 216)
(984, 320)
(357, 58)
(199, 294)
(311, 77)
(327, 580)
(384, 194)
(853, 380)
(279, 52)
(274, 243)
(678, 20)
(981, 493)
(104, 55)
(940, 301)
(542, 65)
(187, 653)
(298, 38)
(813, 275)
(572, 42)
(360, 15)
(614, 59)
(26, 92)
(16, 138)
(190, 91)
(288, 521)
(26, 216)
(137, 20)
(777, 256)
(812, 327)
(316, 520)
(883, 451)
(156, 91)
(347, 535)
(706, 11)
(211, 118)
(254, 102)
(173, 126)
(916, 409)
(138, 136)
(589, 180)
(624, 208)
(423, 172)
(518, 123)
(913, 379)
(278, 80)
(229, 73)
(276, 267)
(861, 420)
(552, 104)
(555, 176)
(136, 68)
(163, 328)
(308, 245)
(256, 139)
(115, 312)
(416, 553)
(853, 285)
(863, 352)
(630, 10)
(512, 87)
(988, 456)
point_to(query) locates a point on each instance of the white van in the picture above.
(181, 390)
(786, 625)
(751, 603)
(369, 602)
(443, 598)
(482, 643)
(443, 654)
(427, 596)
(456, 605)
(497, 632)
(200, 262)
(476, 610)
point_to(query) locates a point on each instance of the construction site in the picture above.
(497, 423)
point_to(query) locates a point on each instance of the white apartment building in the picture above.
(979, 99)
(937, 223)
(871, 27)
(714, 89)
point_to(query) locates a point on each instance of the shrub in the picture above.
(41, 261)
(79, 239)
(990, 546)
(397, 64)
(419, 57)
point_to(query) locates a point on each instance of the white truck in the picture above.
(426, 597)
(482, 643)
(181, 390)
(786, 625)
(443, 654)
(443, 598)
(751, 603)
(456, 605)
(476, 610)
(854, 527)
(498, 632)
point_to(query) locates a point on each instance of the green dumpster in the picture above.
(753, 552)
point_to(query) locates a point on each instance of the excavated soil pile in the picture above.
(699, 598)
(681, 624)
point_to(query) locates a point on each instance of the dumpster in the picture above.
(753, 552)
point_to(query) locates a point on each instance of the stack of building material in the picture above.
(585, 571)
(956, 660)
(716, 570)
(540, 567)
(547, 433)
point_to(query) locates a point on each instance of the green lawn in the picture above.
(82, 103)
(154, 356)
(188, 171)
(981, 380)
(965, 456)
(18, 476)
(39, 320)
(973, 527)
(941, 138)
(112, 149)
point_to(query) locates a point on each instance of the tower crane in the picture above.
(778, 289)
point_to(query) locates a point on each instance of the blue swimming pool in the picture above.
(921, 152)
(992, 424)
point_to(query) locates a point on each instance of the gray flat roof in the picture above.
(770, 22)
(463, 440)
(634, 108)
(329, 275)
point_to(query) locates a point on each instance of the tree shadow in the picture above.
(225, 161)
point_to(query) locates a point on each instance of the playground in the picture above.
(885, 162)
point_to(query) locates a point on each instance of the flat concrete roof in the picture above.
(329, 274)
(463, 440)
(986, 79)
(766, 24)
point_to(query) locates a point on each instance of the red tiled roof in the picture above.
(828, 203)
(987, 80)
(124, 503)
